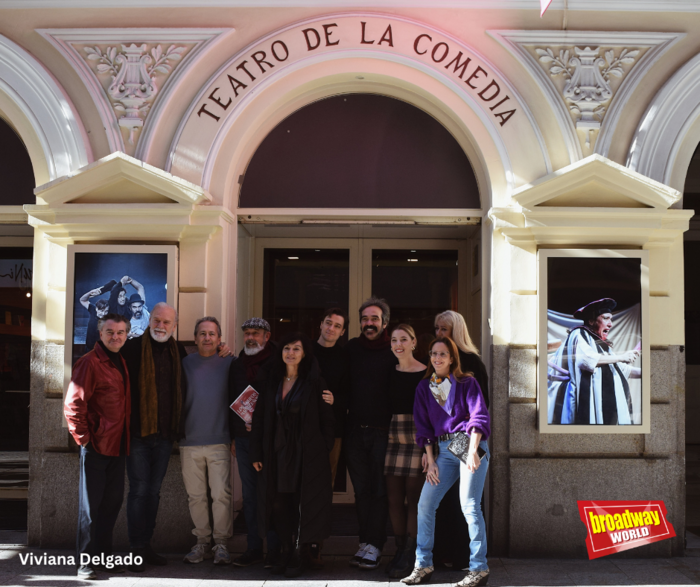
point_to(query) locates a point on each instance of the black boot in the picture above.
(405, 564)
(296, 564)
(400, 545)
(280, 564)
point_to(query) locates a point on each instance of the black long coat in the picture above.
(316, 443)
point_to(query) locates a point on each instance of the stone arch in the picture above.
(36, 106)
(669, 131)
(224, 126)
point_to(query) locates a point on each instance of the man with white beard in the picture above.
(251, 368)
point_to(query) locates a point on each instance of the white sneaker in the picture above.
(221, 554)
(372, 557)
(199, 552)
(355, 560)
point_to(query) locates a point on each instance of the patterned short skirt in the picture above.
(403, 455)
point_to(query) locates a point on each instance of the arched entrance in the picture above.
(361, 154)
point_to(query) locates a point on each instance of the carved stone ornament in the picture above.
(589, 76)
(134, 73)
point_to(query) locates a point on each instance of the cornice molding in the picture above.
(564, 227)
(533, 221)
(653, 44)
(110, 170)
(74, 223)
(189, 41)
(601, 171)
(46, 107)
(691, 6)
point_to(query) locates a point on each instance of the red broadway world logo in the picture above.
(614, 526)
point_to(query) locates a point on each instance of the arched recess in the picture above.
(504, 155)
(236, 148)
(669, 131)
(38, 109)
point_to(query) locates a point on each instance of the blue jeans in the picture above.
(146, 466)
(100, 496)
(249, 488)
(365, 451)
(471, 486)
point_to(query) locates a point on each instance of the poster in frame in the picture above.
(126, 279)
(593, 341)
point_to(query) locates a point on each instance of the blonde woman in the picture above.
(402, 466)
(452, 325)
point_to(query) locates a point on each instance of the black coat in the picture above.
(317, 441)
(472, 362)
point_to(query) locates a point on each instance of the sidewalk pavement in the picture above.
(338, 573)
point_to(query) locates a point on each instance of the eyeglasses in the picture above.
(439, 355)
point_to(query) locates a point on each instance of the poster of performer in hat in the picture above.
(121, 283)
(594, 341)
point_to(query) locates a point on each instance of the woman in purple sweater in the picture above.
(449, 401)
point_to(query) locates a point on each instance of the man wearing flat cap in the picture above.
(255, 360)
(587, 379)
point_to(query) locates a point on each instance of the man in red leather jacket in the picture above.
(97, 409)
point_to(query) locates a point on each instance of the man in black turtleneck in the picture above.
(371, 362)
(333, 361)
(157, 381)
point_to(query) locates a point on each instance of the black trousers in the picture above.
(100, 497)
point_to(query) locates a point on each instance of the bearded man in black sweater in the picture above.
(371, 363)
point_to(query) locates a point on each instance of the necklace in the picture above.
(290, 378)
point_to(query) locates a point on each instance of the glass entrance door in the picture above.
(297, 279)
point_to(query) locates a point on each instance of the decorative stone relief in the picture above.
(588, 90)
(132, 75)
(590, 80)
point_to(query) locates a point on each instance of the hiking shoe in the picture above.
(371, 558)
(355, 560)
(221, 555)
(249, 557)
(86, 572)
(199, 552)
(419, 575)
(474, 579)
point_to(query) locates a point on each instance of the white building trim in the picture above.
(659, 145)
(47, 109)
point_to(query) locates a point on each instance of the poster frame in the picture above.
(542, 398)
(172, 291)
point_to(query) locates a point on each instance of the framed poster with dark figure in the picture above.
(593, 343)
(122, 279)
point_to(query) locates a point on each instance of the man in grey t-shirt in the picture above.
(205, 452)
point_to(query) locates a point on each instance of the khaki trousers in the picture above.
(212, 461)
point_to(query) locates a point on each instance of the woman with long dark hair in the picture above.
(291, 438)
(448, 405)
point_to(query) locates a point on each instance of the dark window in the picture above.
(15, 346)
(359, 151)
(15, 169)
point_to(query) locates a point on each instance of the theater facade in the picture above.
(276, 158)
